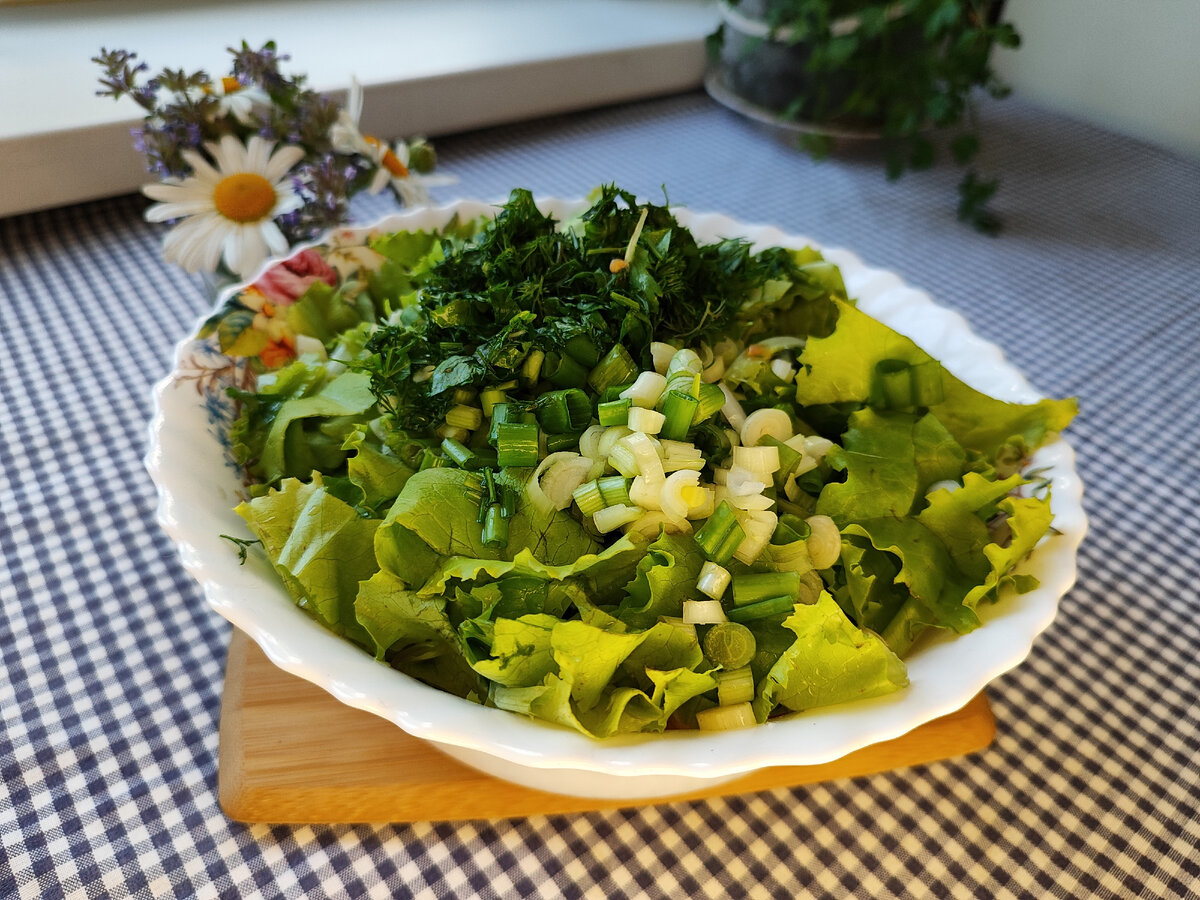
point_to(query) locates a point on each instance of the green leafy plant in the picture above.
(903, 70)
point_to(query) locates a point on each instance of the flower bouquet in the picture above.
(250, 165)
(254, 162)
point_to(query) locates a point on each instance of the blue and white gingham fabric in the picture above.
(113, 665)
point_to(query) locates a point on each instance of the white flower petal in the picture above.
(185, 244)
(252, 247)
(354, 100)
(379, 180)
(232, 251)
(230, 154)
(275, 241)
(164, 212)
(258, 151)
(205, 173)
(173, 192)
(282, 162)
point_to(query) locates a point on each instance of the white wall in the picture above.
(1129, 65)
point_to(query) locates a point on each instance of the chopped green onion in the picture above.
(495, 527)
(563, 371)
(556, 443)
(488, 399)
(713, 580)
(508, 412)
(430, 459)
(613, 517)
(685, 360)
(711, 398)
(611, 436)
(761, 461)
(703, 612)
(684, 382)
(452, 431)
(679, 409)
(466, 458)
(824, 543)
(713, 441)
(647, 421)
(646, 389)
(790, 528)
(726, 718)
(759, 525)
(564, 411)
(621, 458)
(531, 368)
(516, 444)
(644, 452)
(762, 609)
(614, 392)
(720, 535)
(617, 367)
(614, 412)
(730, 645)
(735, 686)
(762, 585)
(661, 355)
(468, 417)
(583, 350)
(614, 489)
(590, 498)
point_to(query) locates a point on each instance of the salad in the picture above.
(597, 473)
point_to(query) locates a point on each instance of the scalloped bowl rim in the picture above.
(252, 598)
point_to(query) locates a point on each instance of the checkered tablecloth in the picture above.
(112, 663)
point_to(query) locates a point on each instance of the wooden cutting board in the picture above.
(291, 753)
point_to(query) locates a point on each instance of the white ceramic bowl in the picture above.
(198, 487)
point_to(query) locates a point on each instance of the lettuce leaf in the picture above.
(666, 576)
(831, 661)
(841, 368)
(598, 574)
(377, 473)
(890, 459)
(591, 679)
(297, 424)
(414, 634)
(436, 517)
(320, 546)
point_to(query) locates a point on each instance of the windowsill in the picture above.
(427, 66)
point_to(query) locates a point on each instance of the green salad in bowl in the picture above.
(595, 471)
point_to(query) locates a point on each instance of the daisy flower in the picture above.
(227, 210)
(412, 186)
(392, 165)
(237, 99)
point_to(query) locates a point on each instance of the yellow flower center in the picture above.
(389, 160)
(230, 84)
(244, 197)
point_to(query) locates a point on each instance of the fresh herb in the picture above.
(526, 287)
(243, 546)
(901, 70)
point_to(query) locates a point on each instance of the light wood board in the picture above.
(291, 753)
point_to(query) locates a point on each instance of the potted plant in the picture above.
(894, 71)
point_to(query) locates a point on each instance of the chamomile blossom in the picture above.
(227, 209)
(237, 99)
(412, 186)
(391, 164)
